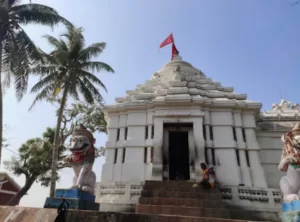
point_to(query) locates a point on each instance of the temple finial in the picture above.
(176, 56)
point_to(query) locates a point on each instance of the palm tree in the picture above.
(67, 71)
(17, 51)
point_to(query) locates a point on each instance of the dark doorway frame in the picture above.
(176, 158)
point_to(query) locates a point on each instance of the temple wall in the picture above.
(271, 126)
(234, 147)
(128, 151)
(270, 153)
(224, 146)
(134, 153)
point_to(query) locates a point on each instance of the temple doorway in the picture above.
(179, 168)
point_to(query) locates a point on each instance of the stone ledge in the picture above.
(182, 202)
(178, 194)
(23, 214)
(183, 211)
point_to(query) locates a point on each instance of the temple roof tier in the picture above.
(178, 81)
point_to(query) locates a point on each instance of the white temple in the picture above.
(179, 118)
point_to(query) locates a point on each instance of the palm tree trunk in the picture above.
(4, 25)
(56, 142)
(1, 103)
(15, 199)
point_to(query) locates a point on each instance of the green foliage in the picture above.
(49, 134)
(91, 116)
(34, 159)
(19, 51)
(68, 68)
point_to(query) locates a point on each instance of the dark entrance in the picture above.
(179, 168)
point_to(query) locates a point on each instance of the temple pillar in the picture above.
(256, 170)
(199, 146)
(208, 146)
(224, 146)
(149, 132)
(241, 146)
(157, 168)
(245, 170)
(192, 155)
(165, 154)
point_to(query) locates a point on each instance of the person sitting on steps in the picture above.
(208, 177)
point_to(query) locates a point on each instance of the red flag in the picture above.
(174, 51)
(167, 41)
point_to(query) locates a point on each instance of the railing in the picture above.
(246, 197)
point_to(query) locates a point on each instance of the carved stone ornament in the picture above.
(284, 104)
(290, 163)
(156, 75)
(177, 69)
(296, 106)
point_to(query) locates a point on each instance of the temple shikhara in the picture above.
(165, 128)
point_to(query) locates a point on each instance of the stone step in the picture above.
(181, 189)
(183, 211)
(169, 183)
(179, 194)
(21, 214)
(182, 202)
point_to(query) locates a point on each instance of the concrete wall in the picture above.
(222, 137)
(128, 151)
(237, 154)
(138, 157)
(22, 214)
(270, 153)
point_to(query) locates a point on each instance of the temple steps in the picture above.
(183, 211)
(169, 184)
(181, 199)
(183, 186)
(179, 194)
(185, 190)
(183, 202)
(25, 214)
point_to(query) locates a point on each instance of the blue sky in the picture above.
(251, 45)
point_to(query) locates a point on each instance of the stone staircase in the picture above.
(179, 201)
(168, 201)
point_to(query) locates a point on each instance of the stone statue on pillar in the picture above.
(82, 159)
(81, 195)
(290, 163)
